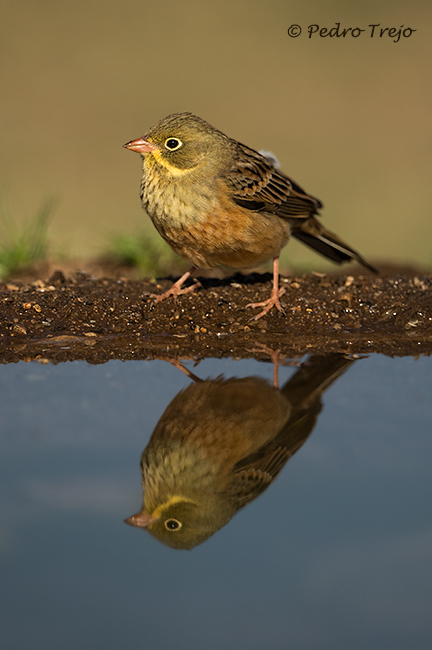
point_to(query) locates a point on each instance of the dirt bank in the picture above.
(81, 317)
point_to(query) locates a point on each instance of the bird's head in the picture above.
(181, 142)
(182, 523)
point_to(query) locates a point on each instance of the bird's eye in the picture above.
(173, 144)
(173, 524)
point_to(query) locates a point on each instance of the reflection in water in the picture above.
(220, 443)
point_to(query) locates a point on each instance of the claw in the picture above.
(276, 293)
(275, 359)
(176, 289)
(273, 301)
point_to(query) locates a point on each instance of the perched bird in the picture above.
(220, 443)
(218, 203)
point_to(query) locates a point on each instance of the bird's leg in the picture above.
(176, 289)
(275, 359)
(276, 293)
(178, 364)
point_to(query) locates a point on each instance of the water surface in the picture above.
(336, 553)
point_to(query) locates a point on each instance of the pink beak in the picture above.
(141, 146)
(141, 520)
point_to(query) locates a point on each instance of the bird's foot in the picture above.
(178, 364)
(175, 290)
(273, 301)
(275, 359)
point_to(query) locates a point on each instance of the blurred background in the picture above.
(348, 118)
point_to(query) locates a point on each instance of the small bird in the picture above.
(219, 203)
(220, 443)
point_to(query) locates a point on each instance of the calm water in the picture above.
(336, 554)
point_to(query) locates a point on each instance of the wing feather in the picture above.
(256, 184)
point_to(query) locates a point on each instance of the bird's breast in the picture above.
(201, 222)
(179, 200)
(175, 468)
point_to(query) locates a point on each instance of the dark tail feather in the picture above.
(314, 377)
(304, 391)
(311, 233)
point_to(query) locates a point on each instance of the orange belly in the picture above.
(237, 238)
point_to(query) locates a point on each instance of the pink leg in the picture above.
(276, 360)
(178, 364)
(273, 301)
(176, 289)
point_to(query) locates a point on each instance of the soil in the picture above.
(77, 316)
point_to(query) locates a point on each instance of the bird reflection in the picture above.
(220, 443)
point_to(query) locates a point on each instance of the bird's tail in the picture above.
(304, 391)
(314, 377)
(313, 234)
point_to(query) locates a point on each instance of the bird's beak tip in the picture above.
(140, 146)
(140, 520)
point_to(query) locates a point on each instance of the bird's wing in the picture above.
(253, 474)
(256, 184)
